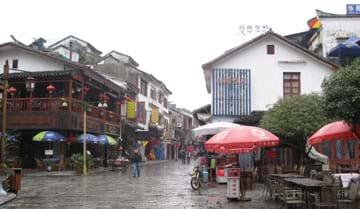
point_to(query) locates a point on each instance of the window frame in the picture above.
(15, 64)
(291, 81)
(143, 87)
(270, 49)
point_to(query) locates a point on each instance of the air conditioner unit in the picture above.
(179, 125)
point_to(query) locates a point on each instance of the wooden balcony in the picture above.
(59, 113)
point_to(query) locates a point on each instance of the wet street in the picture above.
(164, 185)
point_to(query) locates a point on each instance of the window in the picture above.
(161, 96)
(153, 94)
(270, 49)
(291, 84)
(165, 103)
(143, 87)
(15, 63)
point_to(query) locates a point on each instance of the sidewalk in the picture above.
(33, 173)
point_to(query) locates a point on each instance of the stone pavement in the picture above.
(161, 185)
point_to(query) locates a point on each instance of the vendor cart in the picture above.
(119, 163)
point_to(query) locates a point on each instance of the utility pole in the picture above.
(84, 142)
(4, 104)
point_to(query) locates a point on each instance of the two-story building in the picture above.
(51, 93)
(76, 50)
(180, 126)
(253, 76)
(150, 105)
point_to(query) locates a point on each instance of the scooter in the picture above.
(195, 178)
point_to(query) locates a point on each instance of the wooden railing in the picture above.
(56, 105)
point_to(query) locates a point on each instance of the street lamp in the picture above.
(30, 84)
(30, 87)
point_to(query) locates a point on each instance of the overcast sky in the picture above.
(170, 39)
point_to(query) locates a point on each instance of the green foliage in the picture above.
(76, 161)
(295, 118)
(342, 93)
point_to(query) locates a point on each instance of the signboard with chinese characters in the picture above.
(111, 129)
(131, 113)
(141, 112)
(155, 115)
(231, 92)
(256, 28)
(353, 9)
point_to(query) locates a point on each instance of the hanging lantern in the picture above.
(12, 91)
(50, 88)
(86, 90)
(71, 139)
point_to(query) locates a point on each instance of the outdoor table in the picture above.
(286, 175)
(308, 185)
(347, 177)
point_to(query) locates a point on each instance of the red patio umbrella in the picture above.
(241, 139)
(333, 131)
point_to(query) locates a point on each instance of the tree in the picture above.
(342, 94)
(294, 119)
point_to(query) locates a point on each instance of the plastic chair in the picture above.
(327, 198)
(61, 165)
(39, 164)
(293, 197)
(348, 196)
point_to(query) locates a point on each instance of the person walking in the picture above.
(135, 160)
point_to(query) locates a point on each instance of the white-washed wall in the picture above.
(30, 61)
(267, 70)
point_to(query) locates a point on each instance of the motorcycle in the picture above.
(195, 178)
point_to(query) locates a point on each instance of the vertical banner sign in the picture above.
(231, 92)
(131, 113)
(155, 115)
(141, 113)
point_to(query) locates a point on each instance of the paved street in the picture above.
(163, 185)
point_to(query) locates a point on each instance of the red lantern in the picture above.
(86, 90)
(12, 91)
(50, 88)
(71, 139)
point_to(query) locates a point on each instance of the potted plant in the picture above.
(77, 162)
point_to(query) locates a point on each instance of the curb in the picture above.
(7, 198)
(90, 172)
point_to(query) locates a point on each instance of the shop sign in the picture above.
(131, 113)
(110, 129)
(141, 112)
(155, 115)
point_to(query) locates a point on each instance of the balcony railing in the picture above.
(57, 105)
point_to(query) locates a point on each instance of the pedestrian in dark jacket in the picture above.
(135, 160)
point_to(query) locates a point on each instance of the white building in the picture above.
(151, 103)
(76, 50)
(254, 75)
(335, 28)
